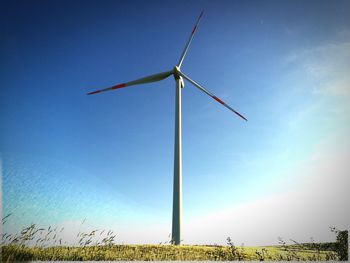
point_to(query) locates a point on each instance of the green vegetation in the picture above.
(162, 252)
(34, 243)
(342, 246)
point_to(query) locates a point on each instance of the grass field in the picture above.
(34, 243)
(163, 252)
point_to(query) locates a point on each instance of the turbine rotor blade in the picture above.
(151, 78)
(210, 94)
(189, 41)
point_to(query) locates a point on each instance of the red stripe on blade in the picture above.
(194, 30)
(218, 100)
(119, 86)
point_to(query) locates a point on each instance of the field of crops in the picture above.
(163, 252)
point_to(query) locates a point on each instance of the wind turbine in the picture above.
(179, 76)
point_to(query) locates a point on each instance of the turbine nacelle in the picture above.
(176, 73)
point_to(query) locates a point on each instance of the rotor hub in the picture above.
(178, 76)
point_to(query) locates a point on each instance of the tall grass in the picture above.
(34, 243)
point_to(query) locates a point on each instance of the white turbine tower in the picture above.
(179, 76)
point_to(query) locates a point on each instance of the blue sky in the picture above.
(109, 157)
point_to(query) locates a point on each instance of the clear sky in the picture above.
(109, 157)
